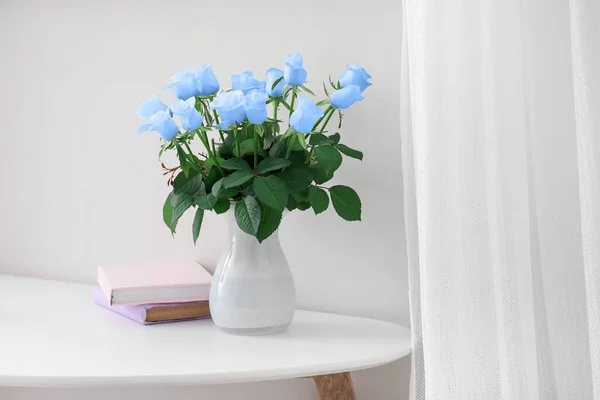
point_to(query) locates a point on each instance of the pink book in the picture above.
(154, 283)
(150, 314)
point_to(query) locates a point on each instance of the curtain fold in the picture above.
(501, 156)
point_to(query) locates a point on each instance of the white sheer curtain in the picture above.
(501, 153)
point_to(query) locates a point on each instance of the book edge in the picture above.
(105, 286)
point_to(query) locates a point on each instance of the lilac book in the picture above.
(149, 314)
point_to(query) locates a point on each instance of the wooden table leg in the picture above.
(335, 386)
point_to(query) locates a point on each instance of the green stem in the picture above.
(217, 123)
(275, 108)
(187, 146)
(237, 142)
(289, 149)
(204, 140)
(255, 150)
(321, 119)
(214, 149)
(327, 118)
(292, 101)
(310, 154)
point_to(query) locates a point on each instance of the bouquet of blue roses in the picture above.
(251, 160)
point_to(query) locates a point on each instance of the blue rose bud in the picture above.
(305, 116)
(150, 107)
(246, 81)
(163, 123)
(294, 74)
(206, 81)
(230, 106)
(190, 118)
(355, 75)
(256, 106)
(272, 75)
(345, 97)
(184, 84)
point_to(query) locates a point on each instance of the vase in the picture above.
(252, 291)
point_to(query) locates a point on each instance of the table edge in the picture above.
(202, 379)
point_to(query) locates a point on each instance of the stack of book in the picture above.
(154, 293)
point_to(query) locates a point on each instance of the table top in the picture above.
(53, 335)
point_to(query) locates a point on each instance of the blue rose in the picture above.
(186, 111)
(355, 75)
(230, 106)
(272, 75)
(206, 81)
(163, 123)
(305, 116)
(246, 81)
(150, 107)
(184, 84)
(256, 106)
(345, 97)
(294, 73)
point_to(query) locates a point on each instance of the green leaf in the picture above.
(183, 160)
(211, 178)
(325, 89)
(222, 205)
(296, 179)
(197, 224)
(217, 188)
(259, 130)
(235, 164)
(320, 175)
(318, 199)
(292, 204)
(269, 222)
(298, 159)
(301, 140)
(271, 191)
(272, 164)
(334, 85)
(286, 105)
(168, 214)
(301, 196)
(238, 178)
(303, 205)
(268, 138)
(228, 193)
(180, 202)
(346, 202)
(246, 147)
(279, 147)
(168, 145)
(191, 184)
(350, 152)
(307, 90)
(328, 158)
(323, 102)
(248, 215)
(206, 202)
(335, 138)
(276, 82)
(319, 138)
(288, 132)
(220, 192)
(212, 161)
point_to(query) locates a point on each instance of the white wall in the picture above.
(80, 188)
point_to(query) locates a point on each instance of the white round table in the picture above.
(53, 335)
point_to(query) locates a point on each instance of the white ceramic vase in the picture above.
(252, 291)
